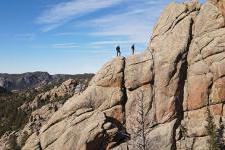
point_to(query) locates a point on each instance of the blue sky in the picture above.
(72, 36)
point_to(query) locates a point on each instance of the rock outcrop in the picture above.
(66, 90)
(39, 110)
(158, 99)
(93, 116)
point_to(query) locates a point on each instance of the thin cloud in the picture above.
(66, 34)
(110, 42)
(135, 24)
(50, 27)
(102, 52)
(137, 34)
(65, 45)
(25, 36)
(130, 24)
(65, 11)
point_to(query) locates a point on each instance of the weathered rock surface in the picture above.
(85, 121)
(159, 98)
(66, 90)
(40, 110)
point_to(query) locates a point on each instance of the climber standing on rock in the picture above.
(132, 49)
(118, 51)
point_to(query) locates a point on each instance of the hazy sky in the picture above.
(72, 36)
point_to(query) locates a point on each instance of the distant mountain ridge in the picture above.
(33, 79)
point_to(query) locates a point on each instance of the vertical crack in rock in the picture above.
(181, 86)
(181, 89)
(138, 80)
(124, 89)
(153, 83)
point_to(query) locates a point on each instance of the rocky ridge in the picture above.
(31, 80)
(165, 92)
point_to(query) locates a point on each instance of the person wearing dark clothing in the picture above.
(118, 51)
(132, 49)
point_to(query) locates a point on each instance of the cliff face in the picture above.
(164, 92)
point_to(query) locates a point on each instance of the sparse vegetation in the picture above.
(12, 118)
(24, 138)
(140, 131)
(212, 131)
(184, 135)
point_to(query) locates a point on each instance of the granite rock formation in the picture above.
(38, 111)
(162, 91)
